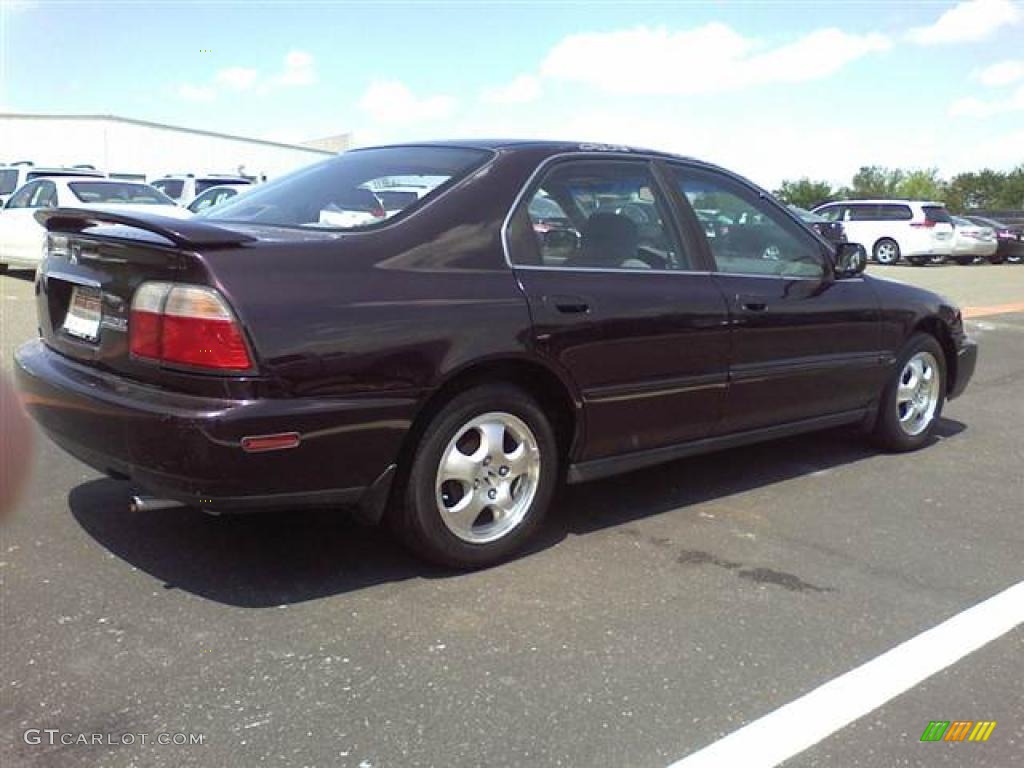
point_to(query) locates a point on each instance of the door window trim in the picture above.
(799, 228)
(673, 224)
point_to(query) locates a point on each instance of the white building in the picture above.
(135, 148)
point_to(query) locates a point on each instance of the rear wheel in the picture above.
(996, 258)
(481, 479)
(912, 400)
(886, 251)
(964, 261)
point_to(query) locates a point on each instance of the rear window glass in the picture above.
(337, 193)
(936, 213)
(107, 192)
(8, 181)
(862, 213)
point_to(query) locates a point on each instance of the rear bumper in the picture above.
(976, 248)
(188, 448)
(966, 361)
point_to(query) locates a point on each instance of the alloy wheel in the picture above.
(918, 394)
(488, 477)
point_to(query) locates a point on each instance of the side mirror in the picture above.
(561, 239)
(851, 260)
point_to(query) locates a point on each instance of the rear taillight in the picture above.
(186, 325)
(378, 213)
(926, 224)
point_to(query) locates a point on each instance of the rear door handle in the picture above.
(754, 306)
(570, 305)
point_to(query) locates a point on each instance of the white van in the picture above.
(916, 230)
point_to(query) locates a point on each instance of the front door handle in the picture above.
(570, 305)
(752, 303)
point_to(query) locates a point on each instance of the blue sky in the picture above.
(771, 89)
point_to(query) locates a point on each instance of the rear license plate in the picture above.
(84, 313)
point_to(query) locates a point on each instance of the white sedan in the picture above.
(972, 240)
(22, 237)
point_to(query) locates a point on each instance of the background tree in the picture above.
(922, 185)
(873, 181)
(805, 193)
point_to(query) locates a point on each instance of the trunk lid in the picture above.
(94, 262)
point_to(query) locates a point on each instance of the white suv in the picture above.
(916, 230)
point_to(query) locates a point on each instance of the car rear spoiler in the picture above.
(183, 233)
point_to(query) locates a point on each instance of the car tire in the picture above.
(459, 466)
(965, 261)
(911, 403)
(886, 251)
(996, 259)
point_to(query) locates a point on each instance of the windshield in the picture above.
(8, 181)
(126, 192)
(336, 193)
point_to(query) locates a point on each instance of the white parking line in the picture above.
(804, 722)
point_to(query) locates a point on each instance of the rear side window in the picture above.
(337, 193)
(936, 214)
(21, 198)
(894, 213)
(607, 215)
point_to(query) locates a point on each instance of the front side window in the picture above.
(590, 214)
(831, 213)
(748, 235)
(338, 193)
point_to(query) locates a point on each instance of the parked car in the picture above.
(22, 237)
(972, 241)
(395, 198)
(1009, 238)
(214, 196)
(14, 176)
(890, 230)
(441, 368)
(183, 188)
(831, 230)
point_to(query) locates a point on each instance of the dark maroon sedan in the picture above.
(447, 365)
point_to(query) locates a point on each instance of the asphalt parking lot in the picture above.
(659, 612)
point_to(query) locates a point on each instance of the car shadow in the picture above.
(28, 275)
(261, 560)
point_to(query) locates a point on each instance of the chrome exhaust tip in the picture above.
(149, 503)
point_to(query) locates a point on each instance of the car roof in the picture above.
(880, 201)
(552, 147)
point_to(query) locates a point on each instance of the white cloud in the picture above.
(236, 78)
(1002, 73)
(968, 22)
(391, 101)
(705, 59)
(972, 106)
(298, 70)
(197, 93)
(522, 90)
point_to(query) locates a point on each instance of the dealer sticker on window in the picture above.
(84, 311)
